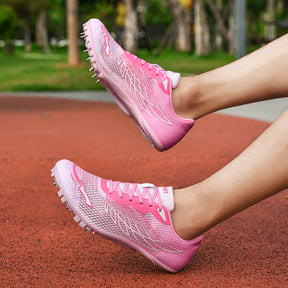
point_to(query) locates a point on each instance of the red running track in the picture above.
(42, 246)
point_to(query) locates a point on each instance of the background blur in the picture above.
(40, 47)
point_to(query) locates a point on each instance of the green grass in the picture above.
(36, 71)
(187, 64)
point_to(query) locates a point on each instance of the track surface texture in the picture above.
(42, 246)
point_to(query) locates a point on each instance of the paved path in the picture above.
(265, 111)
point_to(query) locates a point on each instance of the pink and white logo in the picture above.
(81, 187)
(106, 38)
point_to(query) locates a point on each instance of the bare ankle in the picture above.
(190, 100)
(186, 224)
(185, 97)
(195, 211)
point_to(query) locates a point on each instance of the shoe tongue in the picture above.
(175, 78)
(166, 195)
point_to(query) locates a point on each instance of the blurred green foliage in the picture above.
(157, 12)
(157, 18)
(9, 25)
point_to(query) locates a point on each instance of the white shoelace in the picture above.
(147, 191)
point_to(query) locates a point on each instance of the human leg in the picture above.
(257, 173)
(166, 225)
(258, 76)
(151, 95)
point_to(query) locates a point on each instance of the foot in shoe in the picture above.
(142, 90)
(133, 215)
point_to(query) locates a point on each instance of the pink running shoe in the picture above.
(141, 90)
(136, 216)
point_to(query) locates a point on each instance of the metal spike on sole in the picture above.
(82, 224)
(76, 218)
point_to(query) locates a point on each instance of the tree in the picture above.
(9, 26)
(202, 34)
(255, 23)
(72, 8)
(232, 26)
(131, 28)
(41, 31)
(220, 25)
(27, 13)
(182, 23)
(23, 11)
(218, 35)
(270, 25)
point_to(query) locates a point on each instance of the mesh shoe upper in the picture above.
(134, 215)
(142, 90)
